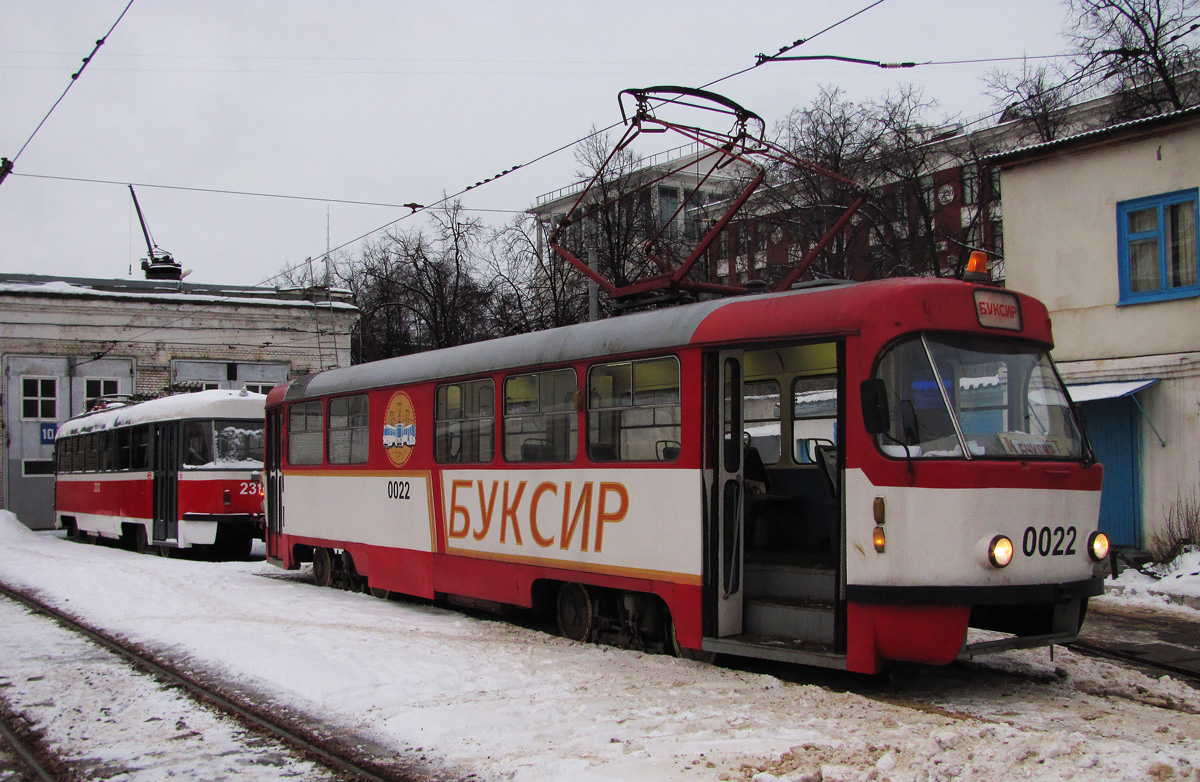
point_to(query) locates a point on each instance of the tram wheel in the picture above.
(699, 655)
(140, 544)
(382, 594)
(322, 567)
(575, 613)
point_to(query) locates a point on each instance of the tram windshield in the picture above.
(222, 443)
(973, 397)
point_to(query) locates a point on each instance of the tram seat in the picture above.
(754, 472)
(537, 451)
(602, 452)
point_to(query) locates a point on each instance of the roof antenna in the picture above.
(158, 264)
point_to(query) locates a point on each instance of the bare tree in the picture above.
(1037, 95)
(421, 289)
(1146, 46)
(533, 288)
(922, 216)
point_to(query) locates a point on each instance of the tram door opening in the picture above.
(729, 496)
(166, 481)
(273, 467)
(782, 425)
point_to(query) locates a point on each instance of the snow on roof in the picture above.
(212, 295)
(1031, 150)
(200, 404)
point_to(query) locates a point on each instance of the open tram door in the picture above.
(728, 494)
(273, 477)
(165, 463)
(776, 538)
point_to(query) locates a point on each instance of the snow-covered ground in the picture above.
(495, 699)
(1175, 584)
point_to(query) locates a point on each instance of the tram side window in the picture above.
(124, 448)
(305, 433)
(348, 440)
(77, 454)
(197, 443)
(814, 416)
(139, 457)
(64, 451)
(761, 405)
(91, 456)
(634, 411)
(540, 423)
(464, 422)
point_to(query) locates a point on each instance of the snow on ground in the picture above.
(1177, 583)
(502, 701)
(120, 724)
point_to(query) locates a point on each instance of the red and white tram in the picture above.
(171, 473)
(839, 475)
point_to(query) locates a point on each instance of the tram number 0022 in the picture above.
(399, 490)
(1049, 541)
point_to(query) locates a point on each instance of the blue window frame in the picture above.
(1157, 245)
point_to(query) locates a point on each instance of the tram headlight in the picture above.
(1098, 546)
(879, 539)
(1000, 551)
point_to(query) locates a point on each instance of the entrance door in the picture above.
(273, 464)
(729, 497)
(1113, 428)
(166, 481)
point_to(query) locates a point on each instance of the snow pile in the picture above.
(1177, 582)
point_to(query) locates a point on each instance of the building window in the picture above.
(259, 388)
(306, 430)
(96, 387)
(348, 442)
(540, 423)
(1156, 242)
(37, 467)
(464, 424)
(633, 411)
(39, 398)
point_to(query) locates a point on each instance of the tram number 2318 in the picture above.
(1048, 541)
(398, 490)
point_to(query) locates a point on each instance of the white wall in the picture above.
(1060, 238)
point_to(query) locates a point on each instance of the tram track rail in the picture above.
(30, 754)
(1096, 650)
(306, 741)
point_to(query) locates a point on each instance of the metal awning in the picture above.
(1092, 392)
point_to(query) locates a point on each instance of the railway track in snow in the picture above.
(23, 754)
(1136, 660)
(338, 760)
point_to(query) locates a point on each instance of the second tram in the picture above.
(173, 473)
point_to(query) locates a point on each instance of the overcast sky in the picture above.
(395, 102)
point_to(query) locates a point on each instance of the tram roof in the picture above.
(824, 308)
(198, 404)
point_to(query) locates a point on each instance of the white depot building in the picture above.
(64, 341)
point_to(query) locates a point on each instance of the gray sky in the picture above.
(395, 102)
